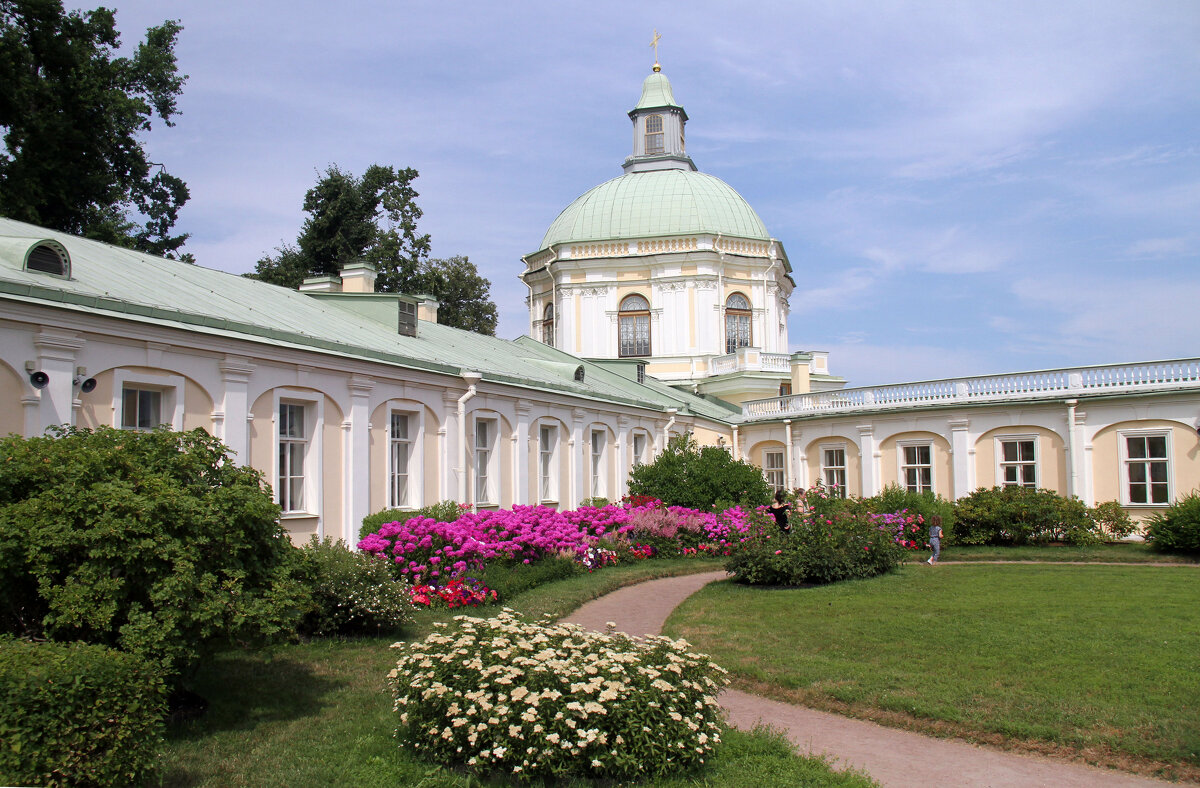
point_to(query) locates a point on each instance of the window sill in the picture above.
(296, 515)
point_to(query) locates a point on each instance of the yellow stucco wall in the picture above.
(812, 455)
(629, 276)
(1051, 457)
(707, 436)
(1184, 469)
(12, 417)
(939, 458)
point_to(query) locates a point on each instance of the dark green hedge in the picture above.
(77, 714)
(1019, 515)
(1176, 529)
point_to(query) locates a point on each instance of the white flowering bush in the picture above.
(502, 695)
(352, 592)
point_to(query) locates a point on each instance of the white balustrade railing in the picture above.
(776, 362)
(736, 362)
(1076, 381)
(723, 365)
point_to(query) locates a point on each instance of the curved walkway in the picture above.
(893, 757)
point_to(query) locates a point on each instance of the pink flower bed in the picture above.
(426, 550)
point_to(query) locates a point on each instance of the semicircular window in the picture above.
(48, 260)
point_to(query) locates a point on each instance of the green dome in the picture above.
(657, 203)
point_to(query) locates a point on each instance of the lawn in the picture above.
(1101, 662)
(1123, 552)
(318, 714)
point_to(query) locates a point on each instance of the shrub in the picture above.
(1112, 520)
(822, 550)
(555, 700)
(352, 593)
(508, 578)
(1176, 529)
(77, 714)
(155, 543)
(1019, 515)
(699, 478)
(444, 512)
(925, 505)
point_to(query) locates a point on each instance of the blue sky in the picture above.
(962, 187)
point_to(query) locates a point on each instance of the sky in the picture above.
(963, 187)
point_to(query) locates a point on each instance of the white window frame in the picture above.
(838, 488)
(655, 139)
(902, 465)
(1001, 463)
(170, 386)
(1126, 461)
(314, 421)
(597, 455)
(639, 455)
(548, 462)
(776, 475)
(485, 462)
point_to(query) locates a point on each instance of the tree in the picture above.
(374, 219)
(686, 474)
(72, 114)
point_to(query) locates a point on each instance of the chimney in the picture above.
(800, 371)
(358, 278)
(427, 307)
(321, 284)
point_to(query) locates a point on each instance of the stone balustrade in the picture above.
(1051, 383)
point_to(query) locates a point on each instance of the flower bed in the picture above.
(505, 696)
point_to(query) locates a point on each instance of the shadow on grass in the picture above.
(246, 689)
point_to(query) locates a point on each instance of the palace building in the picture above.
(658, 307)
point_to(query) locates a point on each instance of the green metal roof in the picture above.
(653, 204)
(656, 92)
(120, 283)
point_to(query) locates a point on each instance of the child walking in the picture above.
(935, 538)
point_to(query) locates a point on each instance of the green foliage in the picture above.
(443, 512)
(1111, 519)
(72, 113)
(1176, 529)
(699, 478)
(555, 700)
(512, 577)
(353, 593)
(155, 543)
(897, 499)
(817, 551)
(374, 219)
(77, 714)
(1019, 515)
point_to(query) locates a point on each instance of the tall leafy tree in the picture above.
(374, 219)
(72, 112)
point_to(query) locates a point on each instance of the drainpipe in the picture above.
(471, 378)
(667, 429)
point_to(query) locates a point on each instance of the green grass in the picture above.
(1102, 661)
(1125, 552)
(319, 713)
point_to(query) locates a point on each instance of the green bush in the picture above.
(77, 714)
(353, 593)
(1111, 519)
(1176, 529)
(1019, 515)
(820, 550)
(507, 698)
(699, 478)
(155, 543)
(443, 512)
(511, 577)
(897, 499)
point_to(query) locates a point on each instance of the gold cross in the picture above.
(654, 43)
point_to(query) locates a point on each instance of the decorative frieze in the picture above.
(600, 250)
(746, 248)
(667, 245)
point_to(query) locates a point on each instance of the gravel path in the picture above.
(891, 756)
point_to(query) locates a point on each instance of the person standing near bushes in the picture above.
(935, 538)
(779, 509)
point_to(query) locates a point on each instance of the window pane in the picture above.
(1010, 451)
(923, 455)
(1158, 493)
(1158, 472)
(129, 403)
(1137, 472)
(1026, 451)
(1137, 447)
(1156, 446)
(926, 478)
(400, 426)
(481, 434)
(1137, 493)
(1028, 476)
(1010, 474)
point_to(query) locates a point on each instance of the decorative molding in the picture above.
(667, 245)
(619, 249)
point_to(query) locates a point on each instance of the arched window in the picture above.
(548, 325)
(634, 327)
(654, 134)
(737, 323)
